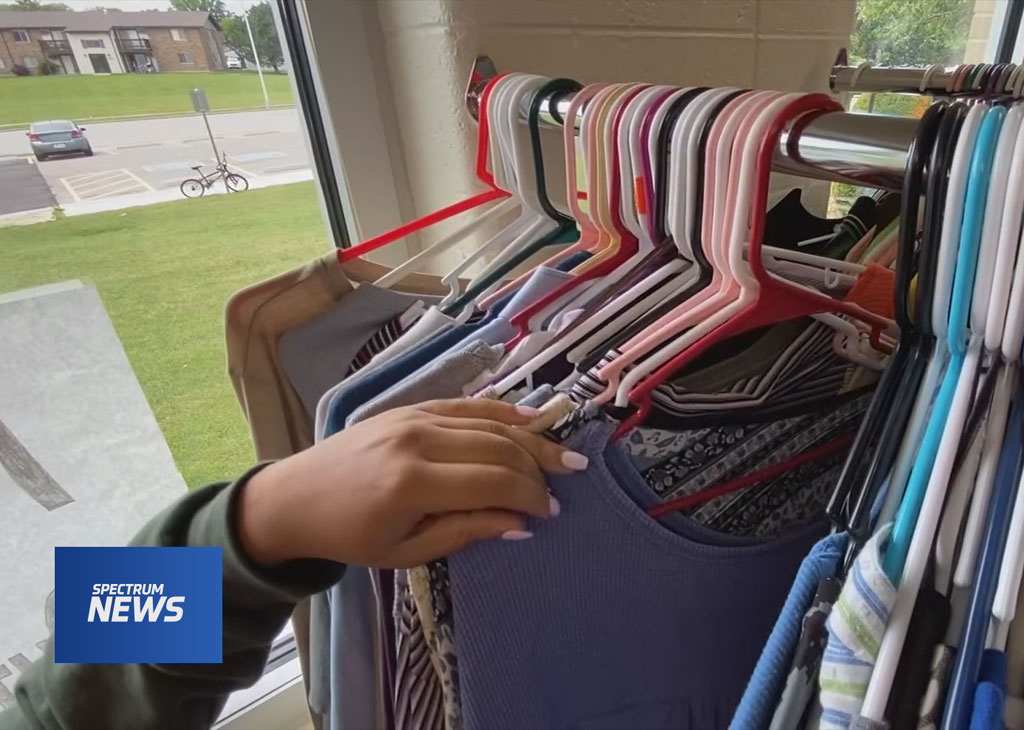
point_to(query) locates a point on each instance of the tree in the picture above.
(33, 5)
(911, 32)
(215, 7)
(236, 37)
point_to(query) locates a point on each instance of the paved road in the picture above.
(157, 154)
(22, 187)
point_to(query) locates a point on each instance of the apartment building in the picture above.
(105, 42)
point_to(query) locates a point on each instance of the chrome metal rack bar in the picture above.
(870, 79)
(1003, 79)
(862, 149)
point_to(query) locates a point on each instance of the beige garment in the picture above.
(255, 318)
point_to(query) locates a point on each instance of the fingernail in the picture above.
(575, 461)
(528, 411)
(554, 508)
(516, 535)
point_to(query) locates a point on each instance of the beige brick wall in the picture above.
(981, 27)
(15, 53)
(166, 50)
(431, 44)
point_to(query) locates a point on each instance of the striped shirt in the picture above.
(855, 629)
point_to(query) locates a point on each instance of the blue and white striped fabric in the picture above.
(855, 630)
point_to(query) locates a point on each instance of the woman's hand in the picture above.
(405, 487)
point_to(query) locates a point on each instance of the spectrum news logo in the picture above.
(115, 601)
(138, 605)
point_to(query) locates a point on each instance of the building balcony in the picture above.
(134, 45)
(55, 48)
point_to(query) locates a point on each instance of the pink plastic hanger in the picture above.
(713, 235)
(774, 300)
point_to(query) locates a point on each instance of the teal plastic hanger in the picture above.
(959, 312)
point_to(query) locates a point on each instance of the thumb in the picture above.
(450, 532)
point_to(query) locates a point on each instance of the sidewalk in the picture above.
(134, 200)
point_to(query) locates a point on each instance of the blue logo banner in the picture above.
(126, 605)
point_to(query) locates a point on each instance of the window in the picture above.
(917, 35)
(82, 502)
(179, 34)
(21, 36)
(30, 61)
(1, 63)
(93, 43)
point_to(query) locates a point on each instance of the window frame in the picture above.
(185, 58)
(25, 62)
(22, 31)
(179, 35)
(87, 41)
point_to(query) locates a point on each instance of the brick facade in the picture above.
(166, 50)
(14, 53)
(202, 40)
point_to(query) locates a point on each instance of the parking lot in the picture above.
(157, 154)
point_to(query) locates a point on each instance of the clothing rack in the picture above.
(862, 149)
(896, 80)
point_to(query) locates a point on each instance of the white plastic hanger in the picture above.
(948, 242)
(715, 311)
(997, 251)
(680, 142)
(508, 112)
(919, 549)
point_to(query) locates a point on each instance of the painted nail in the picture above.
(528, 411)
(517, 535)
(554, 508)
(575, 461)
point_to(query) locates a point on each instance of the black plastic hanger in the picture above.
(551, 90)
(851, 493)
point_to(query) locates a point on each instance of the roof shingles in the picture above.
(97, 21)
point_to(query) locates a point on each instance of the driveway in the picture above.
(22, 187)
(148, 155)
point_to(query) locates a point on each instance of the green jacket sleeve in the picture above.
(257, 603)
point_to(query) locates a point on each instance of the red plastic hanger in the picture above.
(776, 300)
(629, 244)
(485, 176)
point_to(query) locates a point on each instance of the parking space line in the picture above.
(119, 182)
(139, 180)
(70, 189)
(86, 175)
(112, 193)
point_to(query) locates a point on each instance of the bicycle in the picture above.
(197, 187)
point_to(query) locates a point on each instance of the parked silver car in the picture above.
(58, 136)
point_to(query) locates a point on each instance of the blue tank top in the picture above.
(608, 618)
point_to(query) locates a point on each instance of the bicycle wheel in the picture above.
(193, 188)
(236, 183)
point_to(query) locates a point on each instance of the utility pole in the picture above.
(256, 58)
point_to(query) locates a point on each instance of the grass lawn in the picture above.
(164, 273)
(25, 99)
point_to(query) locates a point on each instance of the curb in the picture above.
(26, 217)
